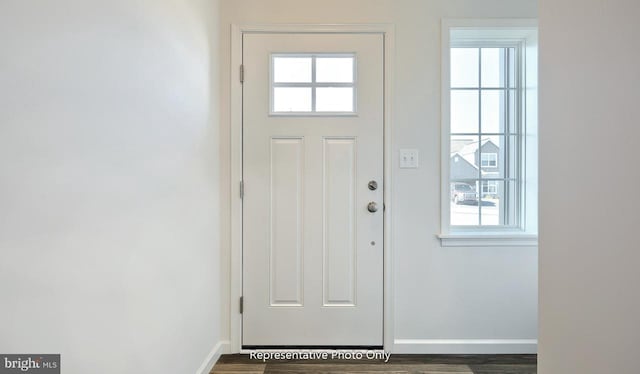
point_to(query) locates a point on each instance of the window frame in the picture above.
(313, 85)
(478, 33)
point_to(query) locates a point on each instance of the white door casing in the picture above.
(312, 252)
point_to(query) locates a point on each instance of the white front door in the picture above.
(313, 189)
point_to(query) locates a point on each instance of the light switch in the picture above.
(408, 158)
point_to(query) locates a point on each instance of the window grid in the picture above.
(509, 130)
(313, 85)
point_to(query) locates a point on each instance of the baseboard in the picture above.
(213, 356)
(465, 346)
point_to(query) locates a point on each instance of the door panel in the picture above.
(339, 211)
(312, 252)
(286, 250)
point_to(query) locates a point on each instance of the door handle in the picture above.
(372, 207)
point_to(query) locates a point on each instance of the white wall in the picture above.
(448, 294)
(589, 251)
(109, 183)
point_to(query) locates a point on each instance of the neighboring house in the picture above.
(470, 158)
(461, 168)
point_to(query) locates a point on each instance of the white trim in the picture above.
(445, 118)
(465, 346)
(213, 357)
(388, 31)
(496, 240)
(235, 318)
(301, 28)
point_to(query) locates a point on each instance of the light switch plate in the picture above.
(408, 158)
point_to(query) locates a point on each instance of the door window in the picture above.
(313, 84)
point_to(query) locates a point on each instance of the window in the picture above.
(484, 128)
(489, 160)
(313, 84)
(489, 188)
(489, 129)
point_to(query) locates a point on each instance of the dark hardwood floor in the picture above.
(398, 364)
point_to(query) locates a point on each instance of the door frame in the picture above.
(237, 31)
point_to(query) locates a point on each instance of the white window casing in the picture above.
(520, 178)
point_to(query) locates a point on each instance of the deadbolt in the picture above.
(372, 207)
(373, 185)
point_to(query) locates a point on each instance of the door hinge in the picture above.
(242, 189)
(241, 73)
(241, 304)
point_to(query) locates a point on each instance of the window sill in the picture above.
(488, 240)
